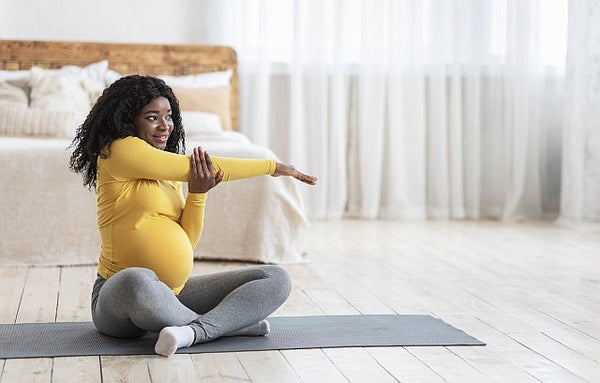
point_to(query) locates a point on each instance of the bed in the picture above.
(47, 217)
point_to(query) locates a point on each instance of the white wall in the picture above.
(136, 21)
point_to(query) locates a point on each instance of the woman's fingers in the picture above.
(311, 180)
(219, 177)
(203, 163)
(209, 164)
(203, 176)
(290, 170)
(205, 166)
(201, 167)
(193, 161)
(211, 168)
(197, 165)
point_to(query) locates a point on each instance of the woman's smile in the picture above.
(161, 138)
(154, 123)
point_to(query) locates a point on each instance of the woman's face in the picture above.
(154, 124)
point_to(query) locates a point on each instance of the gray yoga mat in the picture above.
(37, 340)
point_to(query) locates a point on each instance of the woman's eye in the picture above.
(152, 118)
(168, 118)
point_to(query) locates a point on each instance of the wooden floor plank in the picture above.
(12, 282)
(219, 367)
(520, 355)
(447, 364)
(560, 354)
(492, 365)
(357, 365)
(535, 317)
(340, 280)
(178, 368)
(39, 295)
(81, 369)
(74, 294)
(582, 343)
(27, 370)
(587, 324)
(316, 291)
(124, 369)
(38, 304)
(267, 367)
(300, 304)
(313, 366)
(403, 366)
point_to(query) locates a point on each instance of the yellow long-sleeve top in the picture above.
(143, 218)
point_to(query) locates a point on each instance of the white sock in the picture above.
(261, 328)
(172, 338)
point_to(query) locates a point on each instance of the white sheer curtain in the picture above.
(407, 109)
(580, 198)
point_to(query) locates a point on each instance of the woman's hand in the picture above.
(202, 174)
(290, 170)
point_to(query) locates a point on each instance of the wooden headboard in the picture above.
(150, 59)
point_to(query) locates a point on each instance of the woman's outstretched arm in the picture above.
(133, 158)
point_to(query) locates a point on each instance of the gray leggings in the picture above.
(134, 301)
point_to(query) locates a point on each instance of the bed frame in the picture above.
(151, 59)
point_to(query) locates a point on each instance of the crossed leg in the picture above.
(134, 301)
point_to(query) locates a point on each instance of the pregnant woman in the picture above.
(128, 149)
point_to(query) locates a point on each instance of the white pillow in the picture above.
(111, 76)
(19, 122)
(57, 91)
(11, 95)
(94, 71)
(200, 123)
(92, 77)
(17, 75)
(205, 80)
(93, 88)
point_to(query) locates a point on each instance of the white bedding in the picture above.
(48, 217)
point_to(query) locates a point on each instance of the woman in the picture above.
(128, 149)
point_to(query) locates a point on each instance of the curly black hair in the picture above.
(112, 117)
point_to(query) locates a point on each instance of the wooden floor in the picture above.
(530, 291)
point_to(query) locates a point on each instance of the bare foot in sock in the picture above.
(261, 328)
(172, 338)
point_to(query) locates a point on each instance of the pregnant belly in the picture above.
(158, 244)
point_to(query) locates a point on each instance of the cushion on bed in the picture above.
(21, 122)
(11, 95)
(48, 102)
(95, 71)
(196, 123)
(57, 91)
(211, 100)
(111, 76)
(204, 80)
(14, 75)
